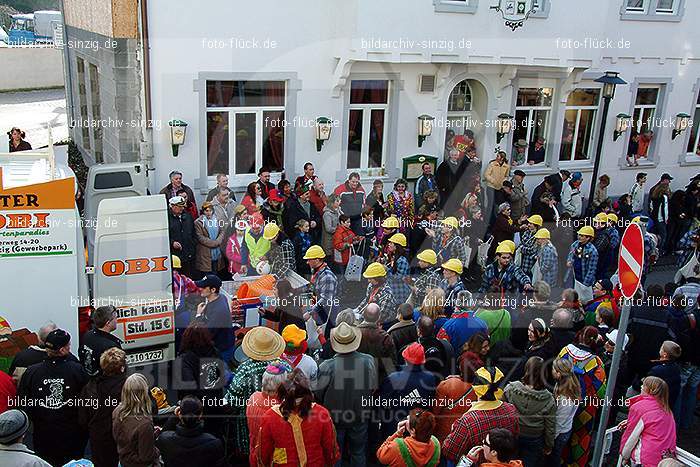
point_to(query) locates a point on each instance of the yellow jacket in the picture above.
(496, 174)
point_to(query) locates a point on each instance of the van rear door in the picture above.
(133, 272)
(108, 181)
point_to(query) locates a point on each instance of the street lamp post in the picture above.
(610, 80)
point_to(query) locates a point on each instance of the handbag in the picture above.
(353, 272)
(482, 252)
(689, 269)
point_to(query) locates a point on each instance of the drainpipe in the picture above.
(146, 150)
(68, 86)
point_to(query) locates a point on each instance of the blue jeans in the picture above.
(531, 450)
(684, 411)
(562, 439)
(357, 443)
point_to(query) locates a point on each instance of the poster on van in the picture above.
(38, 237)
(133, 272)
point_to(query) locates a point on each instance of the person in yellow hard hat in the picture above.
(324, 285)
(452, 270)
(395, 259)
(547, 258)
(379, 292)
(583, 257)
(428, 277)
(502, 275)
(528, 246)
(614, 236)
(447, 243)
(182, 285)
(389, 227)
(281, 254)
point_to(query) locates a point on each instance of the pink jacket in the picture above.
(233, 253)
(650, 432)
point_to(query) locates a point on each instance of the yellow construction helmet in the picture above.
(453, 265)
(451, 221)
(375, 270)
(271, 231)
(586, 230)
(601, 217)
(510, 244)
(399, 239)
(177, 264)
(503, 247)
(315, 252)
(543, 233)
(612, 217)
(391, 222)
(535, 219)
(427, 256)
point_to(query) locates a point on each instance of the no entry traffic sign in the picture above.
(631, 259)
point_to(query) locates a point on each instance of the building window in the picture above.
(456, 6)
(459, 107)
(96, 106)
(655, 10)
(541, 8)
(694, 141)
(532, 112)
(369, 103)
(579, 122)
(83, 104)
(643, 119)
(245, 126)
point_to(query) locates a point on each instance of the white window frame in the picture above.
(637, 11)
(578, 109)
(533, 109)
(643, 107)
(366, 121)
(695, 110)
(456, 6)
(460, 114)
(650, 11)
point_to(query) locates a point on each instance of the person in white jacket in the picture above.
(571, 195)
(637, 193)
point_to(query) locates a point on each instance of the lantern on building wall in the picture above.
(323, 131)
(682, 123)
(504, 125)
(622, 124)
(425, 128)
(178, 130)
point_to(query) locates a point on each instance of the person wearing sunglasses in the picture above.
(498, 449)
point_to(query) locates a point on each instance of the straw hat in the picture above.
(345, 338)
(263, 344)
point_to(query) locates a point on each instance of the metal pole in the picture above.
(598, 152)
(612, 379)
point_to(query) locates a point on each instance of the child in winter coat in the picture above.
(302, 242)
(343, 239)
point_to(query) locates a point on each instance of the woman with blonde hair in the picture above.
(132, 425)
(650, 430)
(433, 306)
(567, 392)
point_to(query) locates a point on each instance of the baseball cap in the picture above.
(666, 177)
(57, 339)
(210, 280)
(519, 172)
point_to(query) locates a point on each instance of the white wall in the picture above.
(30, 68)
(321, 43)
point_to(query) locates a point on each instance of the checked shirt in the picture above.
(510, 279)
(282, 258)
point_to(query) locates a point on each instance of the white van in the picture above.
(43, 266)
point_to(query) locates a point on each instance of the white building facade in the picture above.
(250, 79)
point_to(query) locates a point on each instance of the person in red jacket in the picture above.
(343, 239)
(8, 391)
(297, 431)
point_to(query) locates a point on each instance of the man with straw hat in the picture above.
(261, 345)
(487, 413)
(503, 274)
(345, 384)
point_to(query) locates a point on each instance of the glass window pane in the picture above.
(217, 143)
(646, 96)
(535, 97)
(273, 140)
(664, 6)
(354, 139)
(245, 143)
(539, 128)
(583, 97)
(369, 92)
(585, 132)
(376, 138)
(635, 5)
(521, 123)
(245, 93)
(692, 142)
(96, 112)
(460, 98)
(567, 135)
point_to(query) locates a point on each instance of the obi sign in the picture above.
(515, 12)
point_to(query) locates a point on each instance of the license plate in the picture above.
(144, 357)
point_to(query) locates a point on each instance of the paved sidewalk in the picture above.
(32, 111)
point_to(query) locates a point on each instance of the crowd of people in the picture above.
(460, 322)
